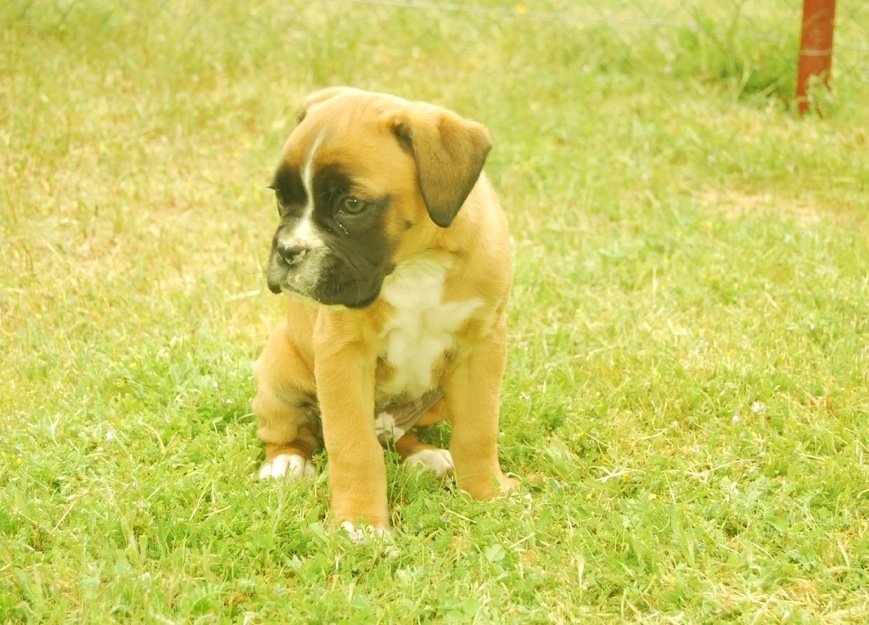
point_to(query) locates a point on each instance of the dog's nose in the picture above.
(292, 254)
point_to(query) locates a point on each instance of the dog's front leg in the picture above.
(472, 392)
(344, 373)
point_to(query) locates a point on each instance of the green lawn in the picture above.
(687, 395)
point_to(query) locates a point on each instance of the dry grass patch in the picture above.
(733, 204)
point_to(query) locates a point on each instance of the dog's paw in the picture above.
(292, 466)
(361, 534)
(385, 428)
(438, 461)
(507, 485)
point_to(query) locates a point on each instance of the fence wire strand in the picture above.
(754, 43)
(775, 22)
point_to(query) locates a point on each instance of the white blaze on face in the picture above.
(422, 327)
(305, 234)
(306, 272)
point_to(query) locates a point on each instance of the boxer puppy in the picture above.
(395, 254)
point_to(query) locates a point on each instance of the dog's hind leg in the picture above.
(286, 409)
(415, 453)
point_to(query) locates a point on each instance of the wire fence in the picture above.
(756, 42)
(752, 44)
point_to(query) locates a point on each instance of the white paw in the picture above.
(438, 461)
(385, 428)
(293, 466)
(364, 533)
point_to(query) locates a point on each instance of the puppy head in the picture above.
(362, 173)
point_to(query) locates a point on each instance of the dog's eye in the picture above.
(353, 206)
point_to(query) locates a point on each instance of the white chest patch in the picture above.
(422, 327)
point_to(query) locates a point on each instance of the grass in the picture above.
(687, 395)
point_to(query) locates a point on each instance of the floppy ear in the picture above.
(449, 152)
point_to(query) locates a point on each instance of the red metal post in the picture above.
(816, 47)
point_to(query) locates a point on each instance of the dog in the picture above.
(395, 253)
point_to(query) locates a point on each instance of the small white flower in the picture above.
(758, 407)
(735, 420)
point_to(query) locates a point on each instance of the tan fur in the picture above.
(333, 352)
